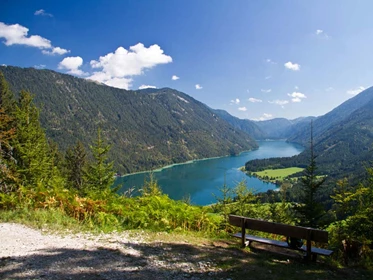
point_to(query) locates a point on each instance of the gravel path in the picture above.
(26, 253)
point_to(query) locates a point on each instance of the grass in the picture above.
(278, 174)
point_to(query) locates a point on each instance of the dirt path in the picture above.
(26, 253)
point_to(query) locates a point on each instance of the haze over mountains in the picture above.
(156, 127)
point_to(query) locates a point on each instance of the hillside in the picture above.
(344, 149)
(334, 117)
(247, 126)
(147, 128)
(281, 128)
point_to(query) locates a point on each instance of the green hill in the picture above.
(147, 128)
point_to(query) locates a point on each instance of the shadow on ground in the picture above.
(166, 261)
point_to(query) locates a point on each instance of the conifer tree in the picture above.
(76, 161)
(8, 176)
(100, 175)
(310, 211)
(31, 149)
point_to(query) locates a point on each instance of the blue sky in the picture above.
(255, 59)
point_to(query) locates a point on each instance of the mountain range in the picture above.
(146, 128)
(156, 127)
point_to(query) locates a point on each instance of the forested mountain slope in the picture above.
(334, 117)
(147, 128)
(345, 149)
(245, 125)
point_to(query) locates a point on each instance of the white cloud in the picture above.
(270, 61)
(174, 78)
(254, 100)
(297, 96)
(296, 87)
(118, 67)
(292, 66)
(56, 50)
(266, 90)
(267, 78)
(264, 117)
(146, 86)
(42, 12)
(72, 64)
(248, 91)
(279, 102)
(321, 33)
(16, 34)
(235, 101)
(40, 66)
(356, 91)
(244, 109)
(198, 86)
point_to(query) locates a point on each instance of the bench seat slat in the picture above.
(283, 244)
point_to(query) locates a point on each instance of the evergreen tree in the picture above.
(100, 175)
(76, 162)
(31, 149)
(309, 210)
(8, 176)
(7, 101)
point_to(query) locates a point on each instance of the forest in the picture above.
(40, 184)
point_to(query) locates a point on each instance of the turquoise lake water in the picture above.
(202, 179)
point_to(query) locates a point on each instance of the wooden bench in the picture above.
(308, 234)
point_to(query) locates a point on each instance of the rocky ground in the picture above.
(26, 253)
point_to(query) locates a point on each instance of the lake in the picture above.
(200, 180)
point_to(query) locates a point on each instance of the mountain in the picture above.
(245, 125)
(280, 128)
(343, 141)
(147, 128)
(338, 115)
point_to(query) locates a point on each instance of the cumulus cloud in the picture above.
(174, 78)
(117, 68)
(235, 101)
(146, 86)
(72, 65)
(56, 50)
(279, 102)
(198, 86)
(42, 12)
(266, 90)
(16, 34)
(244, 109)
(297, 96)
(292, 66)
(254, 100)
(356, 91)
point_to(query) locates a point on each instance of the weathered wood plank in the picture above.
(282, 229)
(283, 244)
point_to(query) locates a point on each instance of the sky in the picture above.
(255, 59)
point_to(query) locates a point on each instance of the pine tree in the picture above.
(309, 210)
(76, 163)
(8, 175)
(31, 149)
(100, 175)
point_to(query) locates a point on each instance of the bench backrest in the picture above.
(277, 228)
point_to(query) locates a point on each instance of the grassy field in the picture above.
(278, 174)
